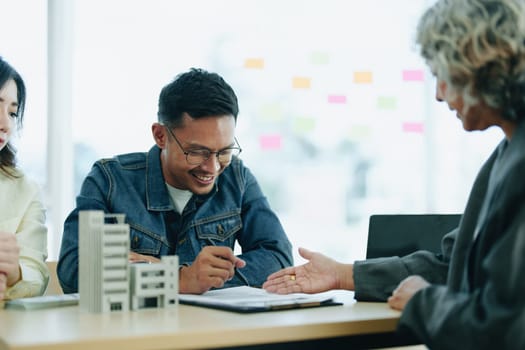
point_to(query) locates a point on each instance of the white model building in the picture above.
(155, 285)
(103, 282)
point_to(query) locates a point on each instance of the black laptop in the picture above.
(402, 234)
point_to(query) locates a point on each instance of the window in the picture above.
(337, 115)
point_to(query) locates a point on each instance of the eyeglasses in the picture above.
(199, 156)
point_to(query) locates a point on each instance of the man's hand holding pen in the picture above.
(213, 267)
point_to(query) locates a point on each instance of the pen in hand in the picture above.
(237, 262)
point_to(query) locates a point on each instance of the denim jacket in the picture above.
(234, 211)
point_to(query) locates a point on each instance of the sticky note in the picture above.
(270, 142)
(301, 83)
(362, 77)
(304, 124)
(336, 99)
(359, 132)
(272, 112)
(413, 75)
(319, 58)
(254, 63)
(386, 102)
(414, 127)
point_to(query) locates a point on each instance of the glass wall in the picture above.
(337, 112)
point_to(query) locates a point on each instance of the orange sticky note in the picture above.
(301, 83)
(362, 77)
(254, 63)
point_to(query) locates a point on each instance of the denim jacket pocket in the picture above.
(219, 229)
(142, 243)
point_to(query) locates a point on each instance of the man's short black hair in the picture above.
(199, 94)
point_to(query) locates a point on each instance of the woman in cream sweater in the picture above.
(23, 234)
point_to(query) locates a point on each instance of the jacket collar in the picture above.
(157, 197)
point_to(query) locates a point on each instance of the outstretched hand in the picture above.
(319, 274)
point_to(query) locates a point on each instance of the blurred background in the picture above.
(337, 120)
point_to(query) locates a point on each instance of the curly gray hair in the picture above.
(478, 48)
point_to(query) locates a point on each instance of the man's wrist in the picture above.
(182, 279)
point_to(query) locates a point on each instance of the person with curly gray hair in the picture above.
(471, 295)
(476, 50)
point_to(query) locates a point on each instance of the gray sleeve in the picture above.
(375, 279)
(489, 315)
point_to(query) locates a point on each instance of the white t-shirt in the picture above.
(179, 198)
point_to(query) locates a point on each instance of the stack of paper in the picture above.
(250, 299)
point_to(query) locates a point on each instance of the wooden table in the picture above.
(190, 327)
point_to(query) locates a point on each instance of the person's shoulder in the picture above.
(18, 181)
(126, 160)
(237, 162)
(237, 172)
(516, 146)
(236, 166)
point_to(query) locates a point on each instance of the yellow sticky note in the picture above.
(301, 83)
(362, 77)
(254, 63)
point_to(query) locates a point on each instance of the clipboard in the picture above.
(250, 299)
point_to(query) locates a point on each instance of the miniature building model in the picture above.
(103, 262)
(105, 283)
(155, 285)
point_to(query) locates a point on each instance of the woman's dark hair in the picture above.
(8, 153)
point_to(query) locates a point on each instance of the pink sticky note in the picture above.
(413, 75)
(336, 99)
(270, 142)
(413, 127)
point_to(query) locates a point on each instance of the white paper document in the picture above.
(250, 299)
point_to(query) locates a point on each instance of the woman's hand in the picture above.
(10, 272)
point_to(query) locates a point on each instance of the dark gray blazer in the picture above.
(482, 303)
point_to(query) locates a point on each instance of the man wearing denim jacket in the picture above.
(190, 195)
